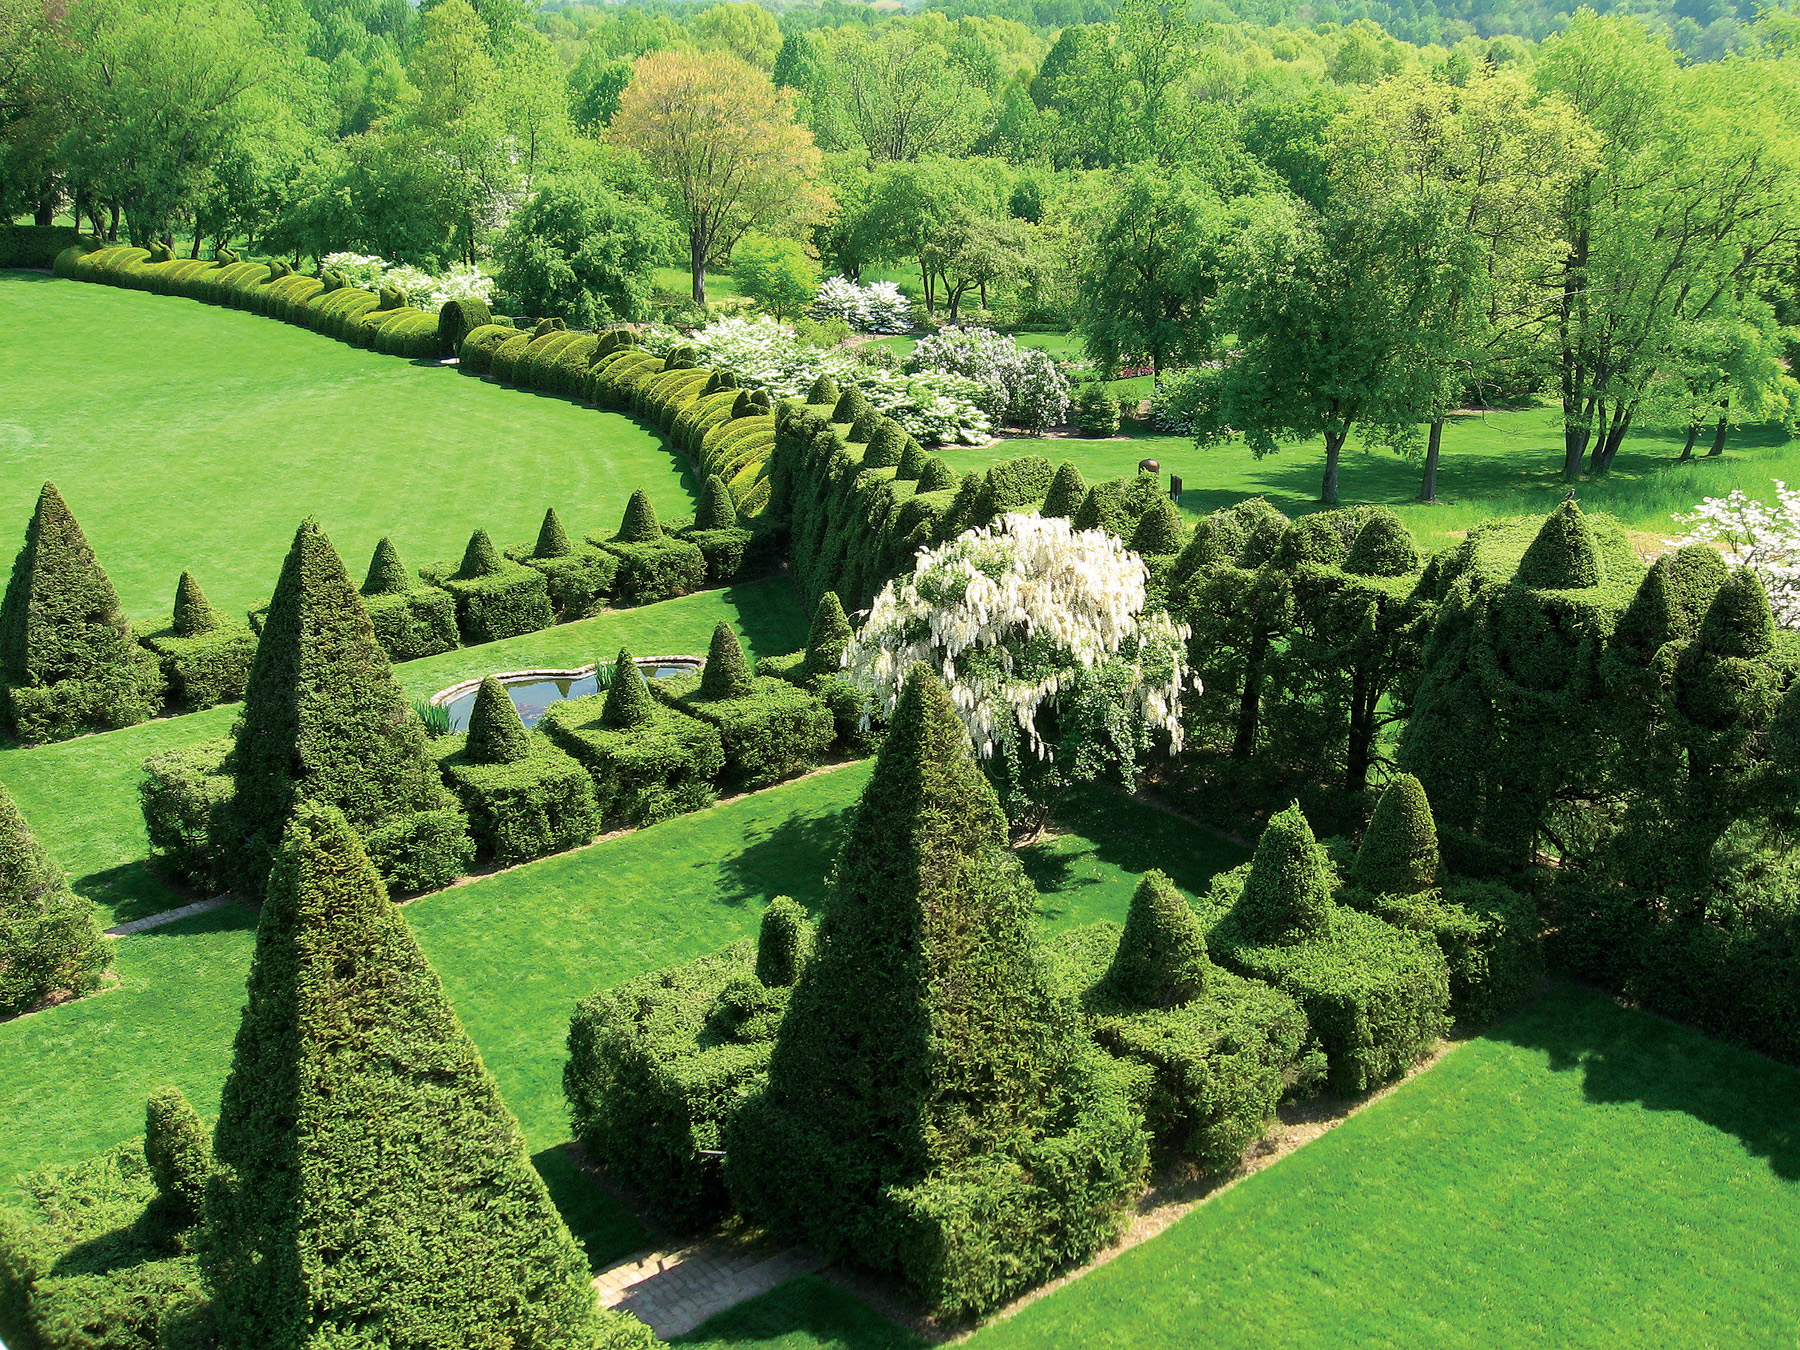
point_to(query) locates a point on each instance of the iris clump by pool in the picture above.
(532, 694)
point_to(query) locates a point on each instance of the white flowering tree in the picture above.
(1753, 534)
(876, 308)
(1039, 631)
(424, 289)
(1022, 386)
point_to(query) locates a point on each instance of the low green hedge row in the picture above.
(205, 669)
(541, 804)
(774, 732)
(663, 767)
(38, 245)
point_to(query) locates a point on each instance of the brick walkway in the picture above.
(674, 1292)
(168, 916)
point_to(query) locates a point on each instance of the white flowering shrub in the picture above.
(1764, 538)
(876, 308)
(421, 288)
(838, 298)
(1039, 631)
(1022, 386)
(362, 270)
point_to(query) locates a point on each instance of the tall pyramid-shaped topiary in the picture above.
(1159, 531)
(50, 940)
(717, 510)
(1067, 490)
(1399, 851)
(387, 574)
(913, 460)
(1564, 556)
(372, 1188)
(640, 525)
(552, 540)
(628, 702)
(480, 559)
(496, 735)
(1287, 896)
(325, 720)
(826, 640)
(180, 1157)
(67, 660)
(193, 615)
(936, 476)
(727, 674)
(1161, 960)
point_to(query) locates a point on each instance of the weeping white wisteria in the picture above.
(1017, 617)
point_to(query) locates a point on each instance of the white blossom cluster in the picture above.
(876, 308)
(1764, 538)
(1013, 614)
(427, 291)
(1021, 386)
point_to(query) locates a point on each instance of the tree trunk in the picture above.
(697, 264)
(1687, 451)
(112, 224)
(925, 280)
(1362, 734)
(1433, 443)
(1718, 445)
(45, 214)
(1607, 448)
(1328, 487)
(1243, 744)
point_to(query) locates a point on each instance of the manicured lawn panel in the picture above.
(803, 1313)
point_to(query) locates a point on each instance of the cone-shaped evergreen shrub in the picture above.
(496, 735)
(193, 615)
(717, 511)
(1383, 547)
(1738, 621)
(176, 1147)
(727, 674)
(1564, 556)
(640, 525)
(1066, 492)
(824, 390)
(1103, 509)
(1161, 961)
(552, 540)
(1159, 531)
(826, 641)
(372, 1189)
(1670, 601)
(851, 405)
(387, 574)
(887, 442)
(49, 937)
(863, 432)
(480, 559)
(325, 720)
(1287, 897)
(1399, 852)
(937, 476)
(782, 942)
(628, 701)
(912, 462)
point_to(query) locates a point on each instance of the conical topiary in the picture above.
(851, 405)
(387, 574)
(913, 460)
(193, 615)
(1287, 896)
(1383, 547)
(479, 559)
(1159, 531)
(824, 390)
(782, 942)
(1161, 960)
(961, 515)
(1066, 491)
(176, 1147)
(887, 442)
(50, 939)
(937, 476)
(628, 701)
(1399, 852)
(1670, 601)
(826, 641)
(552, 540)
(717, 510)
(1564, 556)
(1738, 622)
(372, 1187)
(727, 674)
(640, 525)
(61, 617)
(496, 735)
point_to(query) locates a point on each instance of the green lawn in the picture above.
(187, 435)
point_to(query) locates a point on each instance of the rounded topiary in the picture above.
(913, 460)
(1161, 960)
(1067, 489)
(496, 735)
(552, 540)
(480, 558)
(1738, 622)
(545, 327)
(717, 510)
(1159, 532)
(193, 615)
(727, 674)
(640, 525)
(628, 701)
(387, 574)
(179, 1154)
(1399, 852)
(1564, 556)
(937, 476)
(1287, 896)
(50, 940)
(824, 390)
(829, 635)
(782, 942)
(1383, 547)
(850, 405)
(887, 441)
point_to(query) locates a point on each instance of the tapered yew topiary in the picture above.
(496, 735)
(717, 510)
(1564, 556)
(640, 525)
(1066, 492)
(887, 442)
(913, 460)
(371, 1186)
(1159, 532)
(937, 476)
(851, 404)
(824, 390)
(1399, 851)
(193, 615)
(727, 674)
(1287, 896)
(387, 574)
(826, 640)
(480, 559)
(1738, 622)
(552, 540)
(863, 430)
(50, 939)
(1161, 960)
(1670, 601)
(628, 702)
(176, 1147)
(782, 942)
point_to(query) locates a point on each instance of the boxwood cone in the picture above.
(727, 674)
(780, 942)
(628, 701)
(1399, 851)
(828, 637)
(1066, 492)
(193, 615)
(480, 558)
(1287, 897)
(496, 735)
(552, 540)
(1161, 960)
(387, 574)
(717, 512)
(1564, 556)
(179, 1154)
(640, 525)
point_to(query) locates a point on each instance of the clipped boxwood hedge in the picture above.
(644, 774)
(476, 354)
(206, 669)
(541, 804)
(774, 732)
(35, 245)
(495, 597)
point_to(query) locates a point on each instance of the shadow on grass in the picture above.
(807, 1312)
(770, 615)
(603, 1227)
(129, 891)
(791, 857)
(1629, 1056)
(230, 918)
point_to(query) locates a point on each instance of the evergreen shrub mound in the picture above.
(770, 729)
(50, 939)
(1159, 532)
(525, 798)
(372, 1188)
(579, 578)
(204, 658)
(1161, 958)
(410, 619)
(1564, 556)
(648, 762)
(716, 532)
(184, 795)
(1067, 490)
(658, 1066)
(68, 664)
(1383, 547)
(325, 721)
(179, 1152)
(495, 597)
(815, 668)
(1399, 853)
(1096, 412)
(652, 565)
(475, 354)
(932, 1109)
(456, 320)
(1012, 485)
(937, 476)
(1375, 995)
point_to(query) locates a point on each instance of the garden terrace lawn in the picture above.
(185, 435)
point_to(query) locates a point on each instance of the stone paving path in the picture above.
(674, 1292)
(168, 916)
